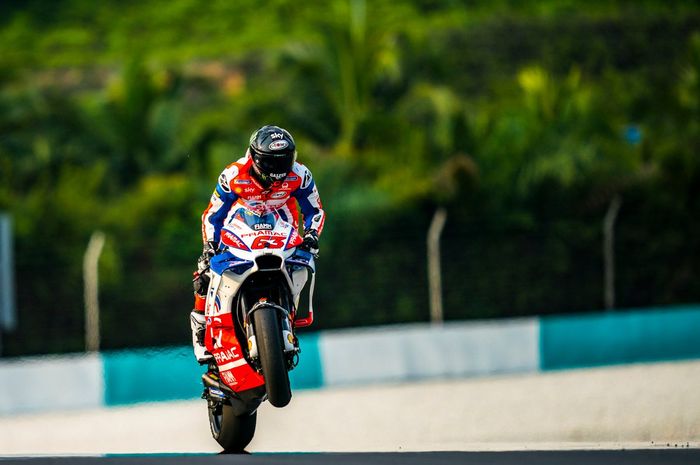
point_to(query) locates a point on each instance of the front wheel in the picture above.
(268, 335)
(232, 432)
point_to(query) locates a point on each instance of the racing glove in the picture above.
(200, 282)
(310, 243)
(200, 279)
(208, 251)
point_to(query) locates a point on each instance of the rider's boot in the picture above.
(198, 325)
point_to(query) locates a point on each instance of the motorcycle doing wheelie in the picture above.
(251, 316)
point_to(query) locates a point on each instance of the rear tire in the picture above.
(268, 334)
(232, 432)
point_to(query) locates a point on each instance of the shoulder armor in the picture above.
(228, 175)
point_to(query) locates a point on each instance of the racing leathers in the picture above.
(238, 184)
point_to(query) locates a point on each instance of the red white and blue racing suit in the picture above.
(237, 182)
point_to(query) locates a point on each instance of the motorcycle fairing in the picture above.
(220, 340)
(228, 261)
(245, 239)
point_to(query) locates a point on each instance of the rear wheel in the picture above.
(268, 335)
(232, 432)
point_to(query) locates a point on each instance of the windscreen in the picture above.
(265, 220)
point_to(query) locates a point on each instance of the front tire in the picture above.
(268, 335)
(232, 432)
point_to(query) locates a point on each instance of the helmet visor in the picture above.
(276, 166)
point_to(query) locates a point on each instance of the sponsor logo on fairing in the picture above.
(217, 393)
(271, 233)
(228, 378)
(294, 240)
(262, 226)
(226, 355)
(231, 240)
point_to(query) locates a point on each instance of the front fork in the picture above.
(291, 346)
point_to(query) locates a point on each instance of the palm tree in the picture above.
(355, 51)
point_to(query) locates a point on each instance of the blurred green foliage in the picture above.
(523, 119)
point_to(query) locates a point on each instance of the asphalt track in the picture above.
(570, 457)
(644, 414)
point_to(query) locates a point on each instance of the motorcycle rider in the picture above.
(268, 173)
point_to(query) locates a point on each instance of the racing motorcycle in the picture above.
(251, 315)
